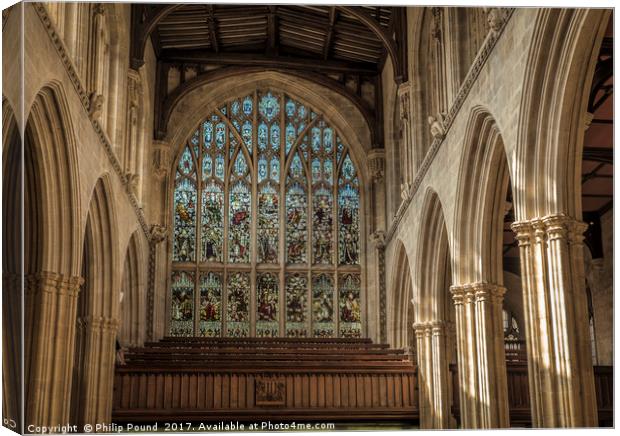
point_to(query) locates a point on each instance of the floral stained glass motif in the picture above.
(322, 306)
(182, 304)
(212, 223)
(296, 305)
(349, 306)
(211, 305)
(238, 305)
(267, 305)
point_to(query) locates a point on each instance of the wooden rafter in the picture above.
(211, 24)
(272, 31)
(200, 56)
(333, 15)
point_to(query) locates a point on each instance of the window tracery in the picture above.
(266, 215)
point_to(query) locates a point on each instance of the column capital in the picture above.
(458, 294)
(53, 283)
(488, 291)
(550, 227)
(99, 323)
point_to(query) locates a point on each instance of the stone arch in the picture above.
(551, 123)
(51, 258)
(431, 314)
(132, 330)
(189, 111)
(97, 310)
(478, 273)
(481, 195)
(12, 281)
(401, 310)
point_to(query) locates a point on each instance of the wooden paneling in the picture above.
(315, 379)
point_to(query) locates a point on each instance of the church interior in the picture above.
(361, 215)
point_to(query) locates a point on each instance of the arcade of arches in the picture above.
(436, 179)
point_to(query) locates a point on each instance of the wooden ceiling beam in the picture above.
(202, 56)
(212, 25)
(272, 31)
(333, 16)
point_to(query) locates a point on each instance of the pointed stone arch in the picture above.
(401, 307)
(132, 330)
(51, 258)
(431, 314)
(97, 309)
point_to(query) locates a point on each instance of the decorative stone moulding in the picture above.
(86, 104)
(472, 75)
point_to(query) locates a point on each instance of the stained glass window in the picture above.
(266, 225)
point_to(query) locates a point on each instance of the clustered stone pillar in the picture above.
(556, 316)
(96, 370)
(51, 300)
(432, 374)
(482, 362)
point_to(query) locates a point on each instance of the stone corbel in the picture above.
(158, 233)
(376, 164)
(161, 159)
(95, 107)
(378, 239)
(404, 92)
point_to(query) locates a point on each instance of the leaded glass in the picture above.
(184, 221)
(349, 306)
(239, 226)
(268, 214)
(296, 227)
(267, 305)
(186, 164)
(348, 215)
(307, 199)
(238, 305)
(212, 222)
(296, 305)
(182, 304)
(322, 211)
(211, 305)
(322, 306)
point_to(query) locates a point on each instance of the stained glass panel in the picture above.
(238, 305)
(322, 306)
(267, 305)
(219, 178)
(184, 238)
(268, 214)
(349, 306)
(212, 223)
(239, 216)
(182, 304)
(296, 224)
(322, 212)
(296, 305)
(211, 305)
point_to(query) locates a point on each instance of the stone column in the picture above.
(556, 317)
(50, 312)
(432, 375)
(481, 356)
(425, 381)
(441, 404)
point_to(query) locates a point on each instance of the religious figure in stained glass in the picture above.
(267, 306)
(182, 307)
(322, 306)
(238, 305)
(210, 305)
(350, 311)
(296, 298)
(306, 195)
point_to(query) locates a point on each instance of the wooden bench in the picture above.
(209, 379)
